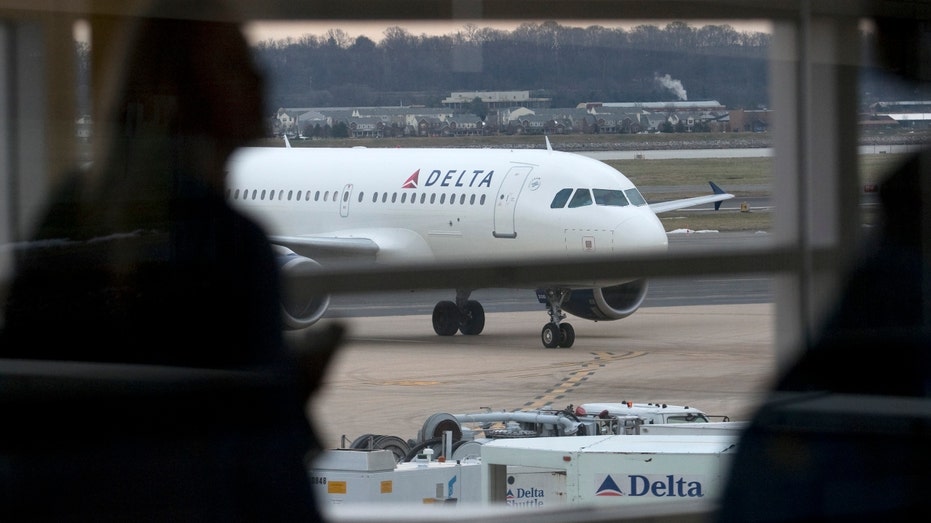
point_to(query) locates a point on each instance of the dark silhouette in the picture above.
(845, 433)
(879, 332)
(149, 377)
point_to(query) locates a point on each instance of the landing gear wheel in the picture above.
(473, 321)
(550, 336)
(445, 318)
(567, 335)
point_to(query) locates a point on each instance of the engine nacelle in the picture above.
(300, 308)
(606, 303)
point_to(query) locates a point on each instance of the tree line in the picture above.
(570, 65)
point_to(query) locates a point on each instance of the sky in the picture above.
(262, 31)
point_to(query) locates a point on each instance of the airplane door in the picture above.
(344, 200)
(506, 201)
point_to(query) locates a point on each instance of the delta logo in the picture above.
(668, 486)
(411, 182)
(608, 487)
(451, 178)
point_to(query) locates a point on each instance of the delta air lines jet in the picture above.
(399, 205)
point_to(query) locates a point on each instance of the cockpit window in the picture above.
(609, 197)
(559, 201)
(581, 198)
(635, 197)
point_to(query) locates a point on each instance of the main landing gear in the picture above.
(468, 317)
(463, 315)
(556, 333)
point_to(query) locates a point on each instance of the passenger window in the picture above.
(581, 198)
(559, 201)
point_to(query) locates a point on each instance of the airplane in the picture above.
(397, 205)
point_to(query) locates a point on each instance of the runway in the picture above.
(394, 371)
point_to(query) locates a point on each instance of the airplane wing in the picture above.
(327, 246)
(716, 198)
(379, 244)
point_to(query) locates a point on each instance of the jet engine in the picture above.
(606, 303)
(300, 307)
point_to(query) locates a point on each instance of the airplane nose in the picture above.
(641, 233)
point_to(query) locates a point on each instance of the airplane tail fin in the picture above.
(548, 146)
(716, 190)
(287, 143)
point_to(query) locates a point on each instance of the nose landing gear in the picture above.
(556, 333)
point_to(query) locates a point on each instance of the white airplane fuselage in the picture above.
(399, 205)
(456, 205)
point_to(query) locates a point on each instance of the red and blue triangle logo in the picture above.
(411, 182)
(608, 488)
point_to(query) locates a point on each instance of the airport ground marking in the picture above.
(585, 370)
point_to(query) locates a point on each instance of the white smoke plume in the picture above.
(673, 85)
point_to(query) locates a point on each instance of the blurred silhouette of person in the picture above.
(797, 462)
(140, 263)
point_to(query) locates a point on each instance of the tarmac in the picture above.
(393, 372)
